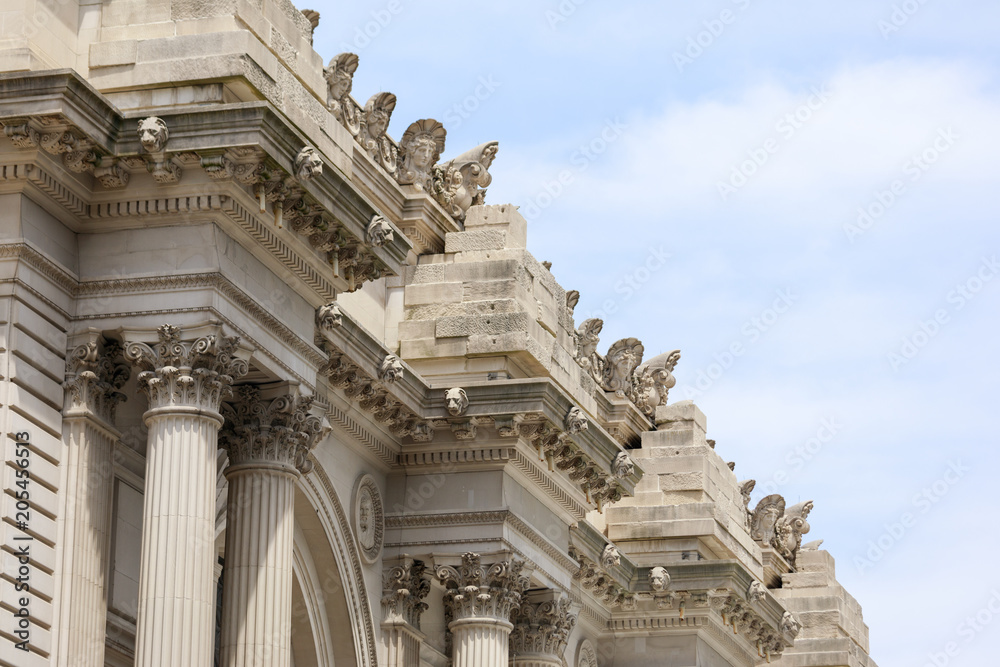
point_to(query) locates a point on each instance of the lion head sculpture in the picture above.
(457, 401)
(153, 134)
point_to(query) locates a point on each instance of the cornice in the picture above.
(61, 113)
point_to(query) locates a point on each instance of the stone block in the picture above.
(514, 341)
(683, 415)
(503, 216)
(451, 327)
(415, 295)
(480, 239)
(108, 54)
(429, 348)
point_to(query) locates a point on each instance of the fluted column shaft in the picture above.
(257, 590)
(176, 624)
(92, 382)
(480, 642)
(81, 596)
(185, 381)
(268, 441)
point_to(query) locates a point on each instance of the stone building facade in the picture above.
(279, 389)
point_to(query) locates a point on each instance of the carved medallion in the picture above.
(369, 518)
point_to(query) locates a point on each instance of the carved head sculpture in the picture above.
(422, 144)
(308, 163)
(765, 517)
(575, 420)
(339, 75)
(457, 401)
(329, 317)
(588, 335)
(391, 369)
(610, 557)
(153, 134)
(789, 625)
(622, 466)
(659, 578)
(378, 111)
(756, 591)
(379, 231)
(622, 359)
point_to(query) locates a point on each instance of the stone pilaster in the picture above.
(541, 630)
(185, 382)
(94, 376)
(478, 605)
(403, 591)
(268, 441)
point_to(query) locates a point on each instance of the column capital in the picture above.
(270, 431)
(194, 370)
(404, 588)
(542, 628)
(95, 372)
(483, 591)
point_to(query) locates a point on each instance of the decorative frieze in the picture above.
(596, 578)
(740, 615)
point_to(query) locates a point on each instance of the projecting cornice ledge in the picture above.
(196, 158)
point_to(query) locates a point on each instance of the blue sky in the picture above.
(749, 158)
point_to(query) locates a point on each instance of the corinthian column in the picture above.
(185, 382)
(403, 591)
(541, 630)
(478, 604)
(268, 441)
(93, 378)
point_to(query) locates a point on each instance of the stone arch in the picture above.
(326, 530)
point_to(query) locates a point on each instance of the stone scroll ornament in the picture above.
(621, 370)
(771, 524)
(421, 148)
(339, 75)
(461, 183)
(373, 137)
